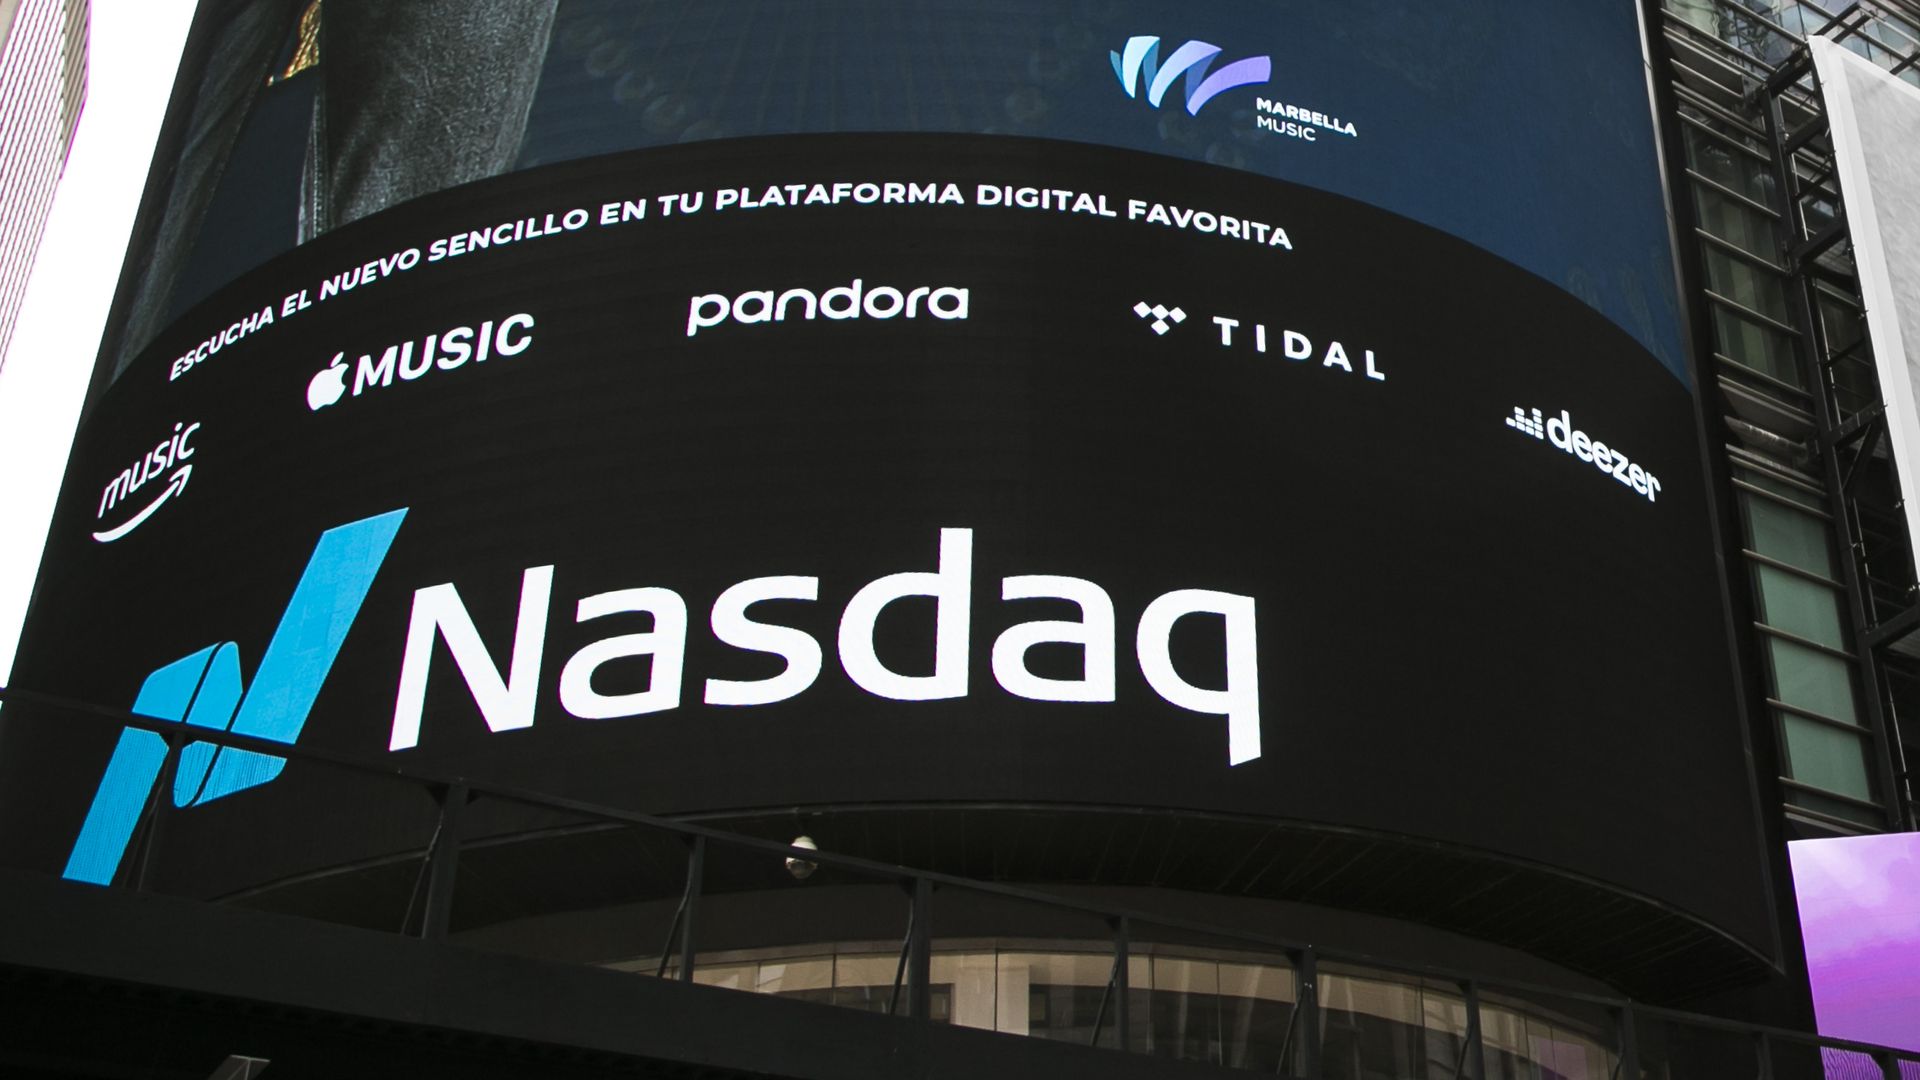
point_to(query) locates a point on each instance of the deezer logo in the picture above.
(1559, 431)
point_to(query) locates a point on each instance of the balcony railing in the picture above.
(1334, 1021)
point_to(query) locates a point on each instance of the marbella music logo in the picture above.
(1138, 65)
(204, 690)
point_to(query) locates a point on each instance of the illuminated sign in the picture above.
(152, 466)
(507, 702)
(681, 378)
(840, 303)
(440, 351)
(1213, 564)
(205, 690)
(1139, 65)
(1610, 460)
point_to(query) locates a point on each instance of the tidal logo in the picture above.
(171, 451)
(1290, 345)
(1164, 318)
(1559, 431)
(1139, 64)
(507, 701)
(844, 302)
(204, 690)
(443, 351)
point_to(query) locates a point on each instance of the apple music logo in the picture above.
(412, 360)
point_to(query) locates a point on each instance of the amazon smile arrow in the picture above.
(176, 484)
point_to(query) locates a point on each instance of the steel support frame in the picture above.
(1832, 431)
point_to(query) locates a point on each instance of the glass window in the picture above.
(1837, 808)
(1845, 328)
(1734, 221)
(726, 976)
(1256, 1013)
(1764, 348)
(1695, 13)
(1558, 1052)
(1052, 995)
(1198, 1006)
(1819, 209)
(1745, 284)
(1788, 535)
(1800, 494)
(795, 976)
(866, 982)
(1503, 1039)
(1728, 166)
(1186, 1008)
(1445, 1019)
(1811, 680)
(1370, 1027)
(1826, 757)
(1799, 606)
(971, 978)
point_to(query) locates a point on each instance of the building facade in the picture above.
(43, 84)
(1195, 537)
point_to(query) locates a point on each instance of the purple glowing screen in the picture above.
(1860, 916)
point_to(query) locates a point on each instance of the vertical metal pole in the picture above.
(1122, 947)
(443, 863)
(154, 814)
(920, 953)
(1307, 1003)
(1889, 1065)
(1629, 1045)
(1476, 1043)
(1763, 1055)
(696, 875)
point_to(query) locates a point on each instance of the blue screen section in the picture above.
(302, 650)
(1521, 126)
(219, 694)
(204, 688)
(137, 757)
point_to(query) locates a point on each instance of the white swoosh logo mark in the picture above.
(176, 484)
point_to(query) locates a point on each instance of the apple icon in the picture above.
(328, 386)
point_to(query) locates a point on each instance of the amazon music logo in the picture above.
(167, 464)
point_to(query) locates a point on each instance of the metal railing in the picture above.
(1641, 1040)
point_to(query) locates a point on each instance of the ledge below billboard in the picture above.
(869, 471)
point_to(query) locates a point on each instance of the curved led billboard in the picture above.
(1270, 412)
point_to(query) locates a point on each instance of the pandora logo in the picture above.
(852, 301)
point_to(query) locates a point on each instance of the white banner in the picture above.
(1875, 123)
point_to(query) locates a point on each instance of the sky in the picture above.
(135, 50)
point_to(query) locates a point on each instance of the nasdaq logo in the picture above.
(1139, 65)
(205, 690)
